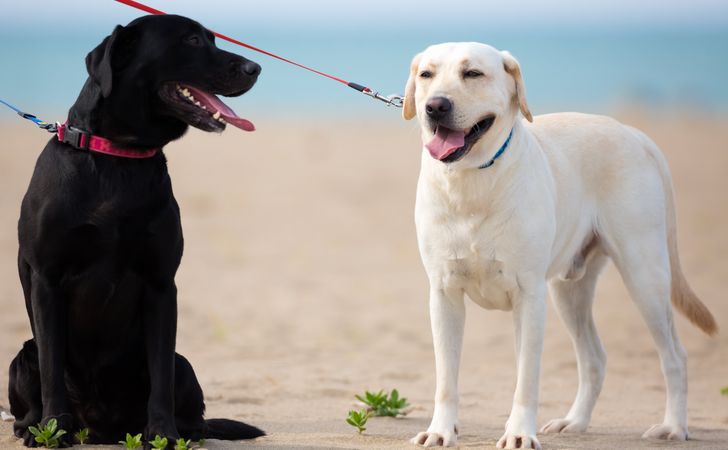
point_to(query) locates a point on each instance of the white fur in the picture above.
(571, 191)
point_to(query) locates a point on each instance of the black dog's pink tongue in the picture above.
(445, 142)
(215, 105)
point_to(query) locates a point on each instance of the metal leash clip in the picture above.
(393, 100)
(50, 127)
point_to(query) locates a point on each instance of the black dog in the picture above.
(100, 243)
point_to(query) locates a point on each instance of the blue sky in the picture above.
(73, 15)
(576, 54)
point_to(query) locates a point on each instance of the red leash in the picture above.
(394, 100)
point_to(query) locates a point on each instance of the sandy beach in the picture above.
(301, 285)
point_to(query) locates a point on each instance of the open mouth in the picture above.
(201, 109)
(450, 145)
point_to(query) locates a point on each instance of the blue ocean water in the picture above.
(584, 70)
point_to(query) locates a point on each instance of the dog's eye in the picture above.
(472, 74)
(194, 40)
(425, 74)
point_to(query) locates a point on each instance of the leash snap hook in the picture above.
(392, 100)
(396, 100)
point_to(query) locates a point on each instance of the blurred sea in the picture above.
(586, 70)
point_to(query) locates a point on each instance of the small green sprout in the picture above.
(724, 391)
(48, 435)
(395, 404)
(358, 419)
(132, 442)
(373, 400)
(81, 435)
(182, 444)
(384, 405)
(159, 442)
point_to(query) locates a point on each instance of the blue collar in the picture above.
(500, 151)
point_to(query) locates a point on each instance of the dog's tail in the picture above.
(682, 295)
(230, 430)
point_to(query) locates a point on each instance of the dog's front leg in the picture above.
(529, 311)
(447, 317)
(160, 328)
(49, 326)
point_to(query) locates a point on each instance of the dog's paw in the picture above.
(160, 429)
(667, 432)
(518, 440)
(64, 422)
(436, 439)
(28, 438)
(564, 426)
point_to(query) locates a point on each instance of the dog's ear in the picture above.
(510, 64)
(409, 109)
(110, 54)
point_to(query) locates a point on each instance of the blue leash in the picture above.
(500, 151)
(50, 127)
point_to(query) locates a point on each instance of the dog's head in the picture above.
(169, 67)
(464, 93)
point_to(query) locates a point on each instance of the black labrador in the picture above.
(101, 240)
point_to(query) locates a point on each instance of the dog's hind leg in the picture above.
(573, 300)
(644, 265)
(188, 401)
(24, 392)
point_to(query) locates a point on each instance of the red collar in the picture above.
(86, 141)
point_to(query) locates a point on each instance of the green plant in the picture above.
(48, 435)
(182, 444)
(724, 391)
(384, 405)
(358, 419)
(373, 400)
(159, 442)
(395, 405)
(132, 442)
(81, 435)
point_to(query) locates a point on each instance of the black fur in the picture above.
(101, 240)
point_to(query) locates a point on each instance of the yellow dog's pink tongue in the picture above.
(445, 142)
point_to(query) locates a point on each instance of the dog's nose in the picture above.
(241, 66)
(251, 68)
(438, 107)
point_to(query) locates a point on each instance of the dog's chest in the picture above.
(464, 255)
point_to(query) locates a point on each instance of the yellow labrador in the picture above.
(506, 209)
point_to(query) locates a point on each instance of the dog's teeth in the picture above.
(186, 92)
(198, 103)
(216, 116)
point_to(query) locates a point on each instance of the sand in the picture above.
(301, 285)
